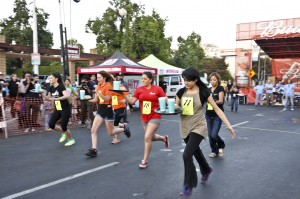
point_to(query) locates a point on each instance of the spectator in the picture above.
(289, 94)
(3, 85)
(259, 89)
(86, 106)
(269, 93)
(280, 91)
(163, 84)
(234, 97)
(229, 86)
(13, 87)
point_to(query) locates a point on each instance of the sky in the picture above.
(214, 20)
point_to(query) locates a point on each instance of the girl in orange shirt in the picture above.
(104, 112)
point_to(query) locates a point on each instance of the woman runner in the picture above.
(193, 127)
(148, 95)
(58, 94)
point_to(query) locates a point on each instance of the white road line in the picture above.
(60, 181)
(271, 130)
(238, 124)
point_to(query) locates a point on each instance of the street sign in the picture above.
(251, 73)
(35, 59)
(73, 52)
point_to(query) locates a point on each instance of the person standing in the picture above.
(59, 96)
(234, 97)
(229, 86)
(269, 93)
(148, 95)
(259, 89)
(13, 87)
(163, 84)
(193, 126)
(214, 123)
(289, 95)
(280, 92)
(86, 106)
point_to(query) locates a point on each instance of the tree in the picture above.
(135, 34)
(17, 28)
(209, 65)
(189, 52)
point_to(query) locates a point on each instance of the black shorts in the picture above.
(119, 113)
(105, 111)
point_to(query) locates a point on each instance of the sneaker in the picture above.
(221, 152)
(284, 109)
(292, 109)
(127, 131)
(91, 153)
(27, 130)
(143, 164)
(187, 191)
(205, 177)
(70, 142)
(82, 125)
(63, 138)
(166, 141)
(115, 141)
(212, 155)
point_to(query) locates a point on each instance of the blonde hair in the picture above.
(217, 75)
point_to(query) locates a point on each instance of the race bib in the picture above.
(114, 100)
(209, 107)
(187, 106)
(146, 107)
(58, 105)
(100, 99)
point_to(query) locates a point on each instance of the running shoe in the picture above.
(292, 109)
(115, 141)
(91, 153)
(166, 141)
(143, 164)
(63, 138)
(127, 131)
(284, 109)
(221, 152)
(187, 191)
(205, 177)
(212, 155)
(70, 142)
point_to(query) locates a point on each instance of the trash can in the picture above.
(242, 99)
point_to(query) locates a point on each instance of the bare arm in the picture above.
(221, 98)
(222, 116)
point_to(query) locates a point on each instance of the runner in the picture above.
(119, 107)
(148, 95)
(214, 122)
(104, 111)
(193, 127)
(58, 94)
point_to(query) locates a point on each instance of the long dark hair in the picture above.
(107, 76)
(191, 74)
(149, 75)
(58, 76)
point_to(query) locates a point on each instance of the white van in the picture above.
(175, 82)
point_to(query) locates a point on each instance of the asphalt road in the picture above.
(262, 163)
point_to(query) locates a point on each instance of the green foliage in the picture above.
(74, 42)
(43, 70)
(209, 65)
(189, 52)
(136, 34)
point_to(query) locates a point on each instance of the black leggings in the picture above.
(63, 115)
(192, 148)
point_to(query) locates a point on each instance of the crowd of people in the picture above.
(202, 111)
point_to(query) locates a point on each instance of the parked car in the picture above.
(43, 79)
(175, 82)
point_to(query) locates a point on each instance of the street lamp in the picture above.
(122, 13)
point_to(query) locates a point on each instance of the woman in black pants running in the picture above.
(193, 127)
(59, 96)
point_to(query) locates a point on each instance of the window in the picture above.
(174, 80)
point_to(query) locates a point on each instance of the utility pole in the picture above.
(36, 61)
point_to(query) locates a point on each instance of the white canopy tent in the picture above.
(162, 67)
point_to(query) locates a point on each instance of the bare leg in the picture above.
(94, 131)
